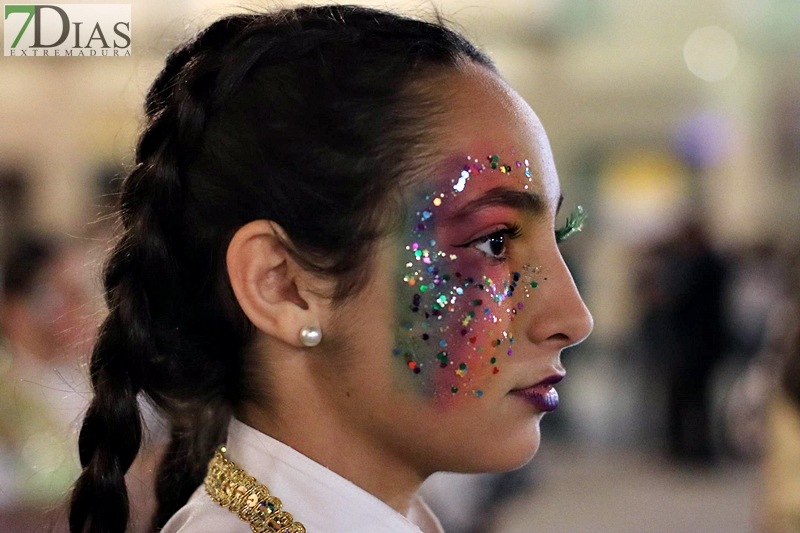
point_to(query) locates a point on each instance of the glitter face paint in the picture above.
(456, 302)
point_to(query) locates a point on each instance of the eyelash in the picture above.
(510, 233)
(574, 224)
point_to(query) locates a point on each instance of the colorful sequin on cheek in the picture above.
(454, 320)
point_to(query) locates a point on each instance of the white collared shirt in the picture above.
(323, 501)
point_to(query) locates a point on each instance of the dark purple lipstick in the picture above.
(543, 396)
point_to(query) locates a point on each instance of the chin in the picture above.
(499, 454)
(518, 452)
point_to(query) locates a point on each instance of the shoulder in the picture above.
(201, 514)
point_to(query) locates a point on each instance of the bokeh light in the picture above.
(711, 53)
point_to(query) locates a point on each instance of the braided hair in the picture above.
(278, 116)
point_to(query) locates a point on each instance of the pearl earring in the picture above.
(310, 336)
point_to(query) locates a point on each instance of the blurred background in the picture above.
(676, 124)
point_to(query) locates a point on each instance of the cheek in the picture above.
(455, 320)
(478, 330)
(475, 329)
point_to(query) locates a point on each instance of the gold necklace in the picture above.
(236, 490)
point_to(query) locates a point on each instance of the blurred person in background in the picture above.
(49, 313)
(682, 285)
(331, 210)
(46, 325)
(766, 410)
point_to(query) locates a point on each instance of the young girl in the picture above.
(340, 261)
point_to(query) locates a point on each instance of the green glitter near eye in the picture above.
(493, 360)
(454, 390)
(472, 314)
(423, 288)
(476, 302)
(495, 159)
(534, 284)
(463, 366)
(574, 224)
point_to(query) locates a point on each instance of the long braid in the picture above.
(110, 436)
(139, 266)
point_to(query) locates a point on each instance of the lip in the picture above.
(542, 395)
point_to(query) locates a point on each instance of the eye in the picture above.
(494, 244)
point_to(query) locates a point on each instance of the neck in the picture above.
(312, 429)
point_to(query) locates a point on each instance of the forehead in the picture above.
(485, 186)
(483, 117)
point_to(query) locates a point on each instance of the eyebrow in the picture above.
(529, 203)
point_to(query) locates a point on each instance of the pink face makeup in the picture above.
(457, 296)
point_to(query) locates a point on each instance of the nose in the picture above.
(559, 317)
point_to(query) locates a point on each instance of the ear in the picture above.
(272, 289)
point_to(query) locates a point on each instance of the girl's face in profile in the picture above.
(456, 340)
